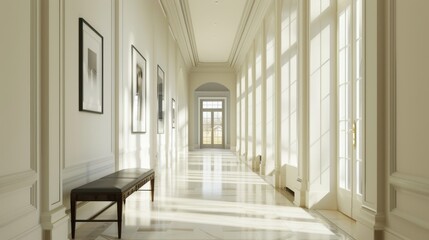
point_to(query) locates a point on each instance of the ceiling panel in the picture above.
(215, 24)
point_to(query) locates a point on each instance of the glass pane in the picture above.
(341, 66)
(358, 99)
(212, 104)
(359, 176)
(342, 102)
(314, 9)
(358, 18)
(217, 128)
(342, 171)
(347, 174)
(358, 59)
(341, 31)
(207, 128)
(342, 139)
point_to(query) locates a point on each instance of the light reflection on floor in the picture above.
(211, 195)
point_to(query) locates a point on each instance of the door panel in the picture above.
(350, 107)
(207, 128)
(217, 128)
(212, 124)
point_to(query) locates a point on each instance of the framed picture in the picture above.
(173, 113)
(138, 91)
(161, 104)
(90, 68)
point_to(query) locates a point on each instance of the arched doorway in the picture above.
(213, 115)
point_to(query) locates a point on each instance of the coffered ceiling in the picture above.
(214, 33)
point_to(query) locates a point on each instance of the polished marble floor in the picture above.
(211, 194)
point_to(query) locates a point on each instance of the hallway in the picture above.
(210, 194)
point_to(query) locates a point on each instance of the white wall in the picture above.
(182, 93)
(407, 180)
(134, 150)
(145, 26)
(89, 138)
(19, 121)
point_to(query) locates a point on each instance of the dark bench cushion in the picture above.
(113, 185)
(134, 173)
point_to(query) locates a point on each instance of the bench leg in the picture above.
(73, 214)
(119, 212)
(152, 187)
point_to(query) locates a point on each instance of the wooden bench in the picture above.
(115, 187)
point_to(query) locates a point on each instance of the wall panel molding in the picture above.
(392, 89)
(18, 202)
(19, 180)
(86, 172)
(410, 183)
(391, 163)
(407, 193)
(401, 207)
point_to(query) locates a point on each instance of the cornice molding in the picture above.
(248, 28)
(190, 28)
(179, 18)
(179, 27)
(241, 31)
(213, 67)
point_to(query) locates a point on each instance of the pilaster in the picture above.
(53, 216)
(303, 124)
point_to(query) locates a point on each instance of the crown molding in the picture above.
(179, 18)
(249, 26)
(241, 31)
(213, 67)
(190, 28)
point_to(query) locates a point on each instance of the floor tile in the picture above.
(209, 195)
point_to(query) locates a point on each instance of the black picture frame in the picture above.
(91, 68)
(161, 103)
(138, 91)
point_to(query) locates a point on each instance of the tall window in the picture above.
(258, 94)
(250, 126)
(243, 112)
(322, 56)
(270, 93)
(289, 83)
(345, 121)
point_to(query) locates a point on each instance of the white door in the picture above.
(212, 124)
(350, 106)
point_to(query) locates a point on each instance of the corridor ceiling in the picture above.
(214, 32)
(215, 24)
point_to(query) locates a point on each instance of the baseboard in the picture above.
(31, 234)
(390, 234)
